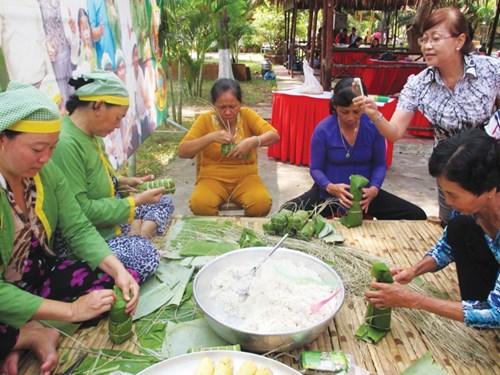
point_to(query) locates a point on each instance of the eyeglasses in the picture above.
(433, 40)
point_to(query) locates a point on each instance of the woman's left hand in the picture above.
(134, 181)
(368, 105)
(368, 195)
(242, 148)
(390, 295)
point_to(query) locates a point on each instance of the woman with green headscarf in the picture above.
(35, 200)
(127, 223)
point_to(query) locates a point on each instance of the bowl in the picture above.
(260, 342)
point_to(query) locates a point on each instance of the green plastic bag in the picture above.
(355, 215)
(377, 321)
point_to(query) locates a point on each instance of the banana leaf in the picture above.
(201, 247)
(120, 322)
(424, 366)
(377, 321)
(250, 239)
(107, 361)
(354, 216)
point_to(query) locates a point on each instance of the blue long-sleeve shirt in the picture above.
(328, 154)
(481, 314)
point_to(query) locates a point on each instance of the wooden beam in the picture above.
(493, 30)
(327, 45)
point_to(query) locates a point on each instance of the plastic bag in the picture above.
(311, 85)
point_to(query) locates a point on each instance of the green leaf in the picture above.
(424, 366)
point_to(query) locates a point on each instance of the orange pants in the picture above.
(249, 192)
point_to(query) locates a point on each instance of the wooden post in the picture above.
(314, 4)
(293, 32)
(493, 30)
(327, 45)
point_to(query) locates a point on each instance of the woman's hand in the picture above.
(368, 105)
(391, 295)
(368, 195)
(341, 192)
(221, 136)
(403, 275)
(150, 196)
(130, 290)
(243, 148)
(91, 305)
(134, 181)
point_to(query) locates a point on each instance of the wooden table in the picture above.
(400, 242)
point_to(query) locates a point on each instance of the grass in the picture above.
(160, 148)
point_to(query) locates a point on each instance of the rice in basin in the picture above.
(279, 299)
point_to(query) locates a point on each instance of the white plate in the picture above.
(186, 364)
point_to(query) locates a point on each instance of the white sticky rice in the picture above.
(279, 299)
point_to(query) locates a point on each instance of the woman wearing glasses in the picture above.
(455, 92)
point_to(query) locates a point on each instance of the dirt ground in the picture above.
(407, 177)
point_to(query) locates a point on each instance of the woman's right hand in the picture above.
(341, 192)
(150, 196)
(92, 305)
(221, 136)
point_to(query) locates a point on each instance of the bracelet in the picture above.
(379, 119)
(258, 140)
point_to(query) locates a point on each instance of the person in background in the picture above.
(377, 35)
(342, 38)
(34, 283)
(127, 223)
(467, 166)
(375, 43)
(457, 90)
(357, 42)
(346, 143)
(353, 36)
(226, 141)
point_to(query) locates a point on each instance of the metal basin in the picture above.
(260, 342)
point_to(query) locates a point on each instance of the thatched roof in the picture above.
(352, 5)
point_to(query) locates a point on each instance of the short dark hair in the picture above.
(343, 94)
(470, 158)
(74, 101)
(455, 22)
(224, 85)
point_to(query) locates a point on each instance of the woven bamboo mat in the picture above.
(400, 242)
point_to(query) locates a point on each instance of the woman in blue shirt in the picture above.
(347, 143)
(467, 166)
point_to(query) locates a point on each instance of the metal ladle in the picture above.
(244, 281)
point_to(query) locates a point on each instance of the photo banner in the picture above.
(47, 42)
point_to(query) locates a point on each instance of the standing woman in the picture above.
(467, 166)
(96, 108)
(233, 175)
(457, 90)
(347, 143)
(35, 200)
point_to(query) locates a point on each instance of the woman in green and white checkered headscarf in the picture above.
(35, 200)
(125, 217)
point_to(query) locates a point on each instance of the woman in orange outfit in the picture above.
(226, 141)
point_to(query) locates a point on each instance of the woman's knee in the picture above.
(203, 203)
(258, 207)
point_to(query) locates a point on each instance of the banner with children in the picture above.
(46, 42)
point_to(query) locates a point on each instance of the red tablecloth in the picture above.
(348, 58)
(295, 117)
(387, 80)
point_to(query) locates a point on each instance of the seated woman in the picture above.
(226, 142)
(346, 143)
(467, 167)
(95, 109)
(34, 283)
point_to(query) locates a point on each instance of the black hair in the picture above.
(343, 94)
(224, 85)
(11, 134)
(470, 158)
(74, 101)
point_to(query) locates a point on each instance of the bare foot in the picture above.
(42, 341)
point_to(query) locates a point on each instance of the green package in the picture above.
(120, 323)
(334, 361)
(377, 321)
(354, 216)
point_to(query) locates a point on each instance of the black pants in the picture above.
(477, 268)
(385, 206)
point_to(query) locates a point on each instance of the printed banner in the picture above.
(46, 42)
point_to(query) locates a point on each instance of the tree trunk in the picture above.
(225, 66)
(424, 8)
